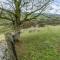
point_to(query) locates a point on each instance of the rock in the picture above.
(6, 50)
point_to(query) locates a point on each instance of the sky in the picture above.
(55, 7)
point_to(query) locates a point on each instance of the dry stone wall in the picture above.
(6, 50)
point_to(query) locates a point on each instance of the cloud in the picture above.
(54, 8)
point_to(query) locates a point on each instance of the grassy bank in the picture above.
(40, 45)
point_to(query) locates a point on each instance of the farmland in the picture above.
(39, 44)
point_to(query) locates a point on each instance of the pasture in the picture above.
(38, 43)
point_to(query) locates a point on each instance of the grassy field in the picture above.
(39, 44)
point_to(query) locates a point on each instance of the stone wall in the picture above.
(6, 50)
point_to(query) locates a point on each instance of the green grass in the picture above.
(40, 45)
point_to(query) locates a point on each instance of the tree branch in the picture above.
(5, 18)
(39, 8)
(6, 10)
(38, 13)
(42, 9)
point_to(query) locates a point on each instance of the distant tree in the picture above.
(19, 11)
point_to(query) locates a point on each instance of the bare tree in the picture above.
(19, 11)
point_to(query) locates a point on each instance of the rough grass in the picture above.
(40, 45)
(3, 30)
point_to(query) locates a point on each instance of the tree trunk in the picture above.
(16, 32)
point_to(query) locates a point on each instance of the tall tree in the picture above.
(19, 11)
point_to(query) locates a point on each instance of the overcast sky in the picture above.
(55, 6)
